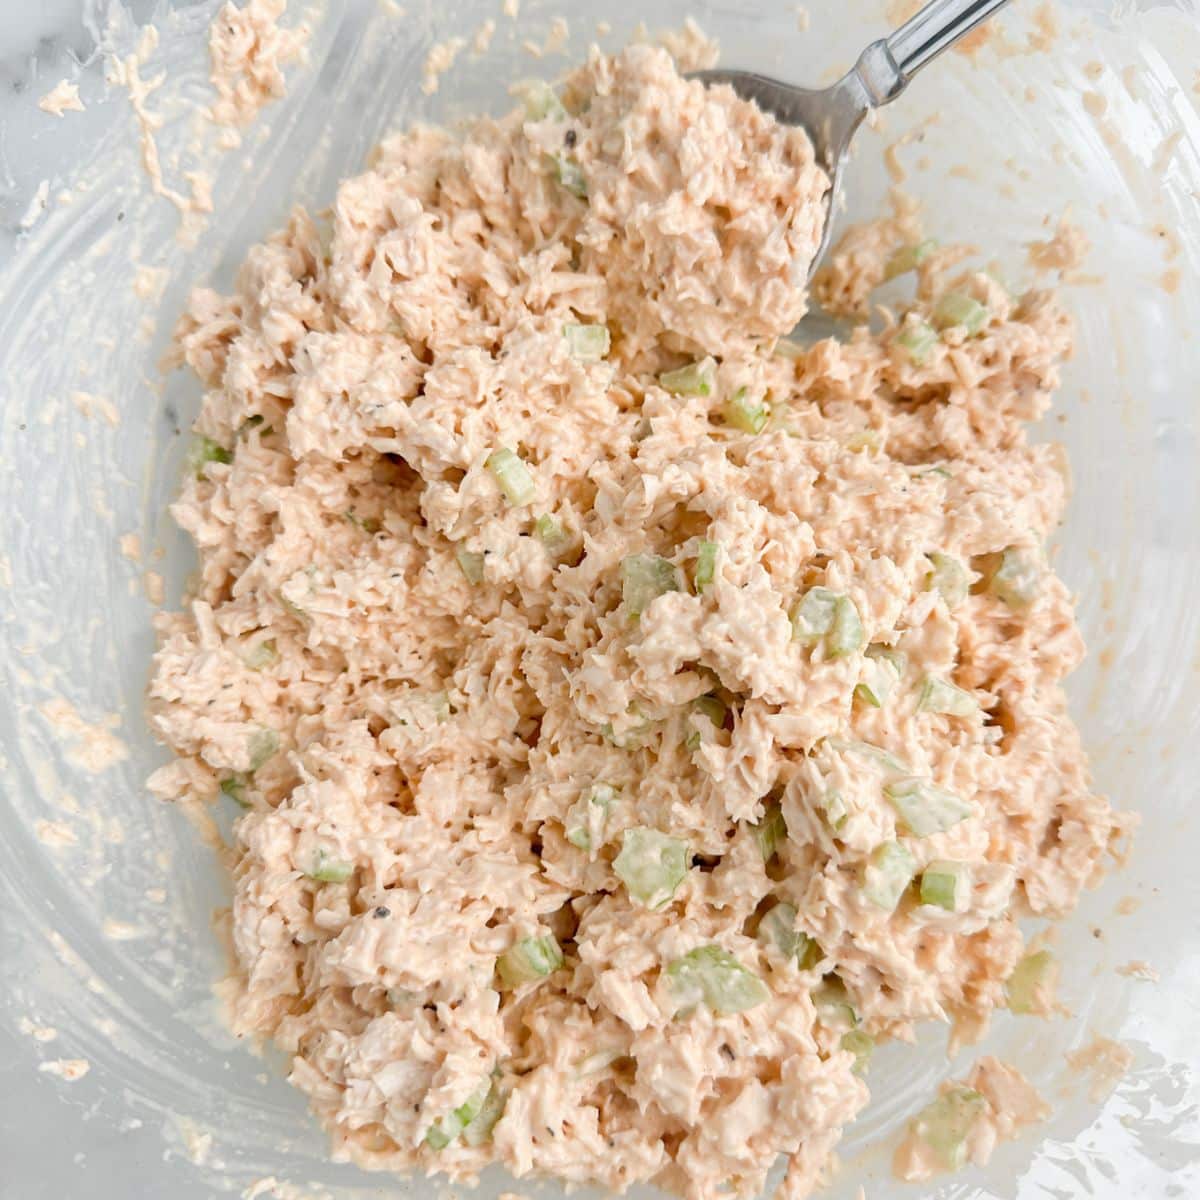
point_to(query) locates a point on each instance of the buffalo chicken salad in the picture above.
(638, 716)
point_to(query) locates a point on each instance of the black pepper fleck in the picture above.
(571, 137)
(383, 912)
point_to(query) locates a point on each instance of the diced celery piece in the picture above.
(204, 451)
(884, 759)
(880, 674)
(945, 1125)
(778, 928)
(470, 562)
(846, 636)
(956, 308)
(918, 338)
(261, 655)
(587, 343)
(651, 865)
(743, 413)
(823, 615)
(1032, 983)
(1018, 578)
(439, 1136)
(512, 475)
(541, 102)
(888, 872)
(695, 379)
(949, 576)
(813, 617)
(833, 808)
(401, 999)
(946, 885)
(586, 818)
(479, 1128)
(938, 696)
(832, 1003)
(531, 959)
(551, 534)
(633, 738)
(261, 746)
(896, 659)
(808, 953)
(715, 710)
(924, 808)
(325, 869)
(712, 976)
(862, 1046)
(645, 577)
(908, 258)
(706, 565)
(570, 175)
(234, 786)
(770, 832)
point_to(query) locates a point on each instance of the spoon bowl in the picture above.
(830, 116)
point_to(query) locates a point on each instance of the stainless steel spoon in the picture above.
(831, 115)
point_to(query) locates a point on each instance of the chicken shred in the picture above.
(248, 49)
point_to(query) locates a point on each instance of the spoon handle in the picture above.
(936, 28)
(886, 66)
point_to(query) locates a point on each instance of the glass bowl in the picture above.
(110, 946)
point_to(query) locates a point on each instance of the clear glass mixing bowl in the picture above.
(107, 898)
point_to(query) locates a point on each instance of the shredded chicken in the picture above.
(1105, 1061)
(248, 50)
(62, 98)
(440, 689)
(1064, 252)
(998, 1101)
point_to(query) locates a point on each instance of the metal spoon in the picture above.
(831, 115)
